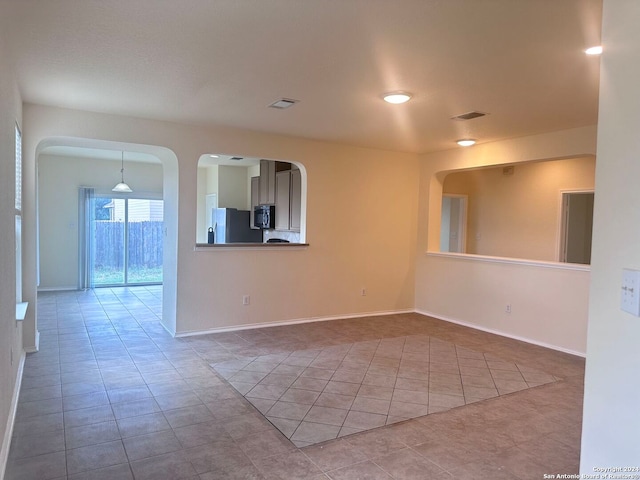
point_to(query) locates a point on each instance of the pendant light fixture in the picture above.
(122, 187)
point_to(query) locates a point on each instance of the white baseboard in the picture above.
(36, 347)
(57, 289)
(172, 333)
(234, 328)
(502, 334)
(8, 432)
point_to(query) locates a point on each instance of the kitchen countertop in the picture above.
(260, 246)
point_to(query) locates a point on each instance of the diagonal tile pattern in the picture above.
(320, 394)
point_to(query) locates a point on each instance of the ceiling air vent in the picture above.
(468, 116)
(283, 103)
(236, 159)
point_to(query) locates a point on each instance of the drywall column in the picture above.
(612, 391)
(11, 357)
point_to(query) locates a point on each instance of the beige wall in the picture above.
(253, 171)
(59, 180)
(519, 215)
(548, 301)
(232, 187)
(612, 391)
(212, 178)
(11, 351)
(349, 249)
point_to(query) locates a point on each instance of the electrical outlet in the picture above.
(507, 308)
(363, 292)
(246, 300)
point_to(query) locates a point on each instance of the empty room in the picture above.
(319, 240)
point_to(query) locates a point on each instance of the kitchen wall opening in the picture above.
(231, 189)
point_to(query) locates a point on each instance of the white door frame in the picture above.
(561, 231)
(462, 221)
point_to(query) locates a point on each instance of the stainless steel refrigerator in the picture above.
(233, 226)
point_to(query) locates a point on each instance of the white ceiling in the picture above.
(221, 62)
(141, 157)
(232, 161)
(100, 154)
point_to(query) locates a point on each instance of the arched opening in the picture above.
(231, 187)
(154, 169)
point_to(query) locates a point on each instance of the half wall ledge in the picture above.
(513, 261)
(202, 247)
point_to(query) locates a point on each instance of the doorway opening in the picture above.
(127, 235)
(453, 226)
(576, 227)
(63, 251)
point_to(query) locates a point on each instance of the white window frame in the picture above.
(18, 213)
(18, 161)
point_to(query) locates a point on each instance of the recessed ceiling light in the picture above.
(597, 50)
(396, 97)
(466, 142)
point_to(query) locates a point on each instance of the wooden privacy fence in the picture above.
(145, 244)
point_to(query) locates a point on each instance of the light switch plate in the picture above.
(630, 295)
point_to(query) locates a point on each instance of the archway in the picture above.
(169, 162)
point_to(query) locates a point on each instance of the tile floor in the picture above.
(320, 394)
(111, 395)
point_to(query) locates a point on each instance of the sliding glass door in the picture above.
(127, 235)
(144, 234)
